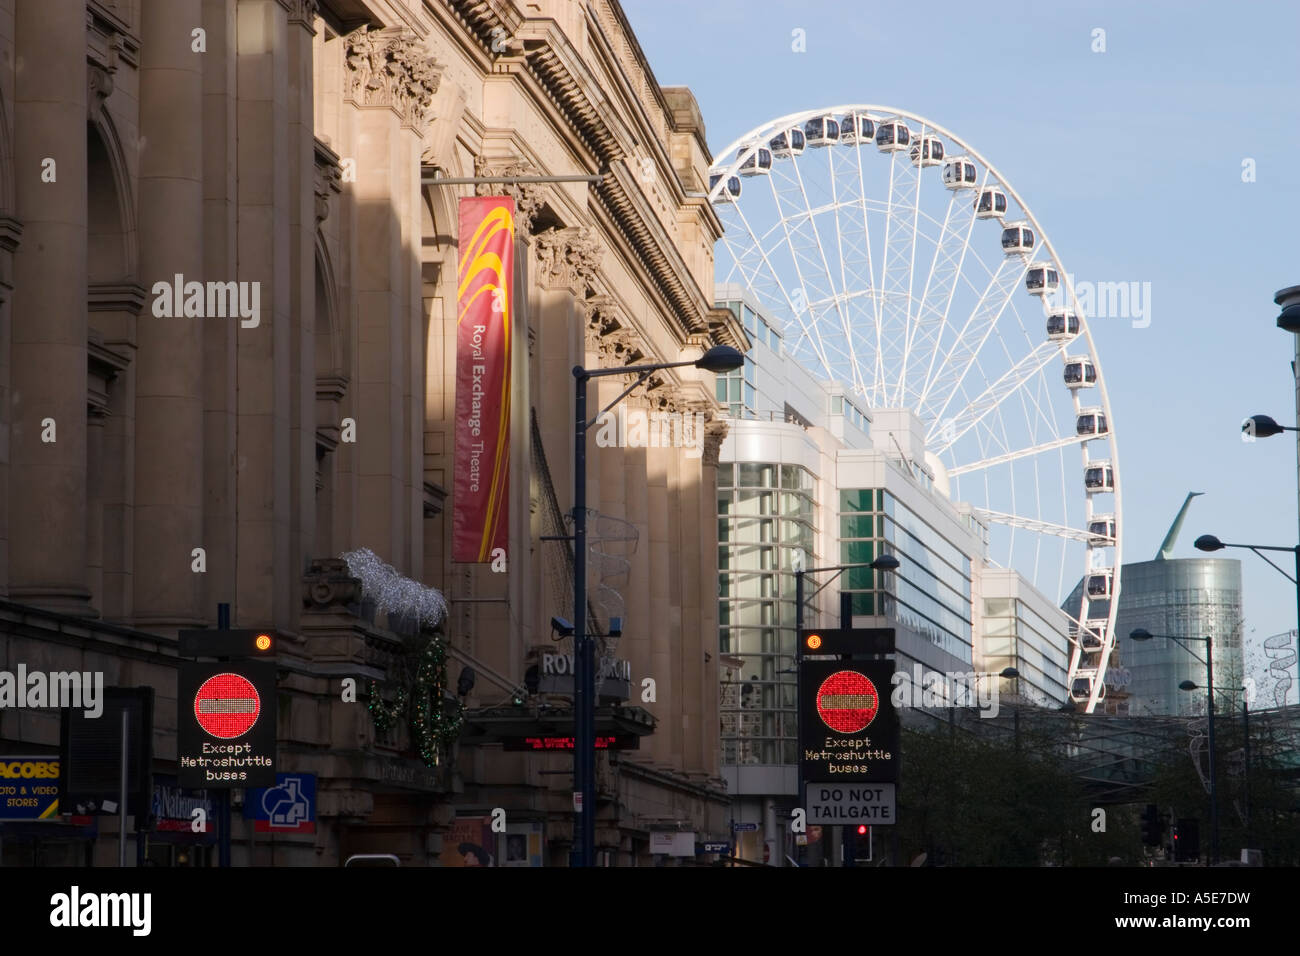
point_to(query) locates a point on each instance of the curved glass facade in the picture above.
(1185, 598)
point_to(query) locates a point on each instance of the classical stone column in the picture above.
(262, 457)
(666, 617)
(47, 488)
(10, 230)
(391, 83)
(169, 472)
(302, 294)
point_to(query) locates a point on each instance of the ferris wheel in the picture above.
(899, 262)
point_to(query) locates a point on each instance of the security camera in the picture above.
(563, 627)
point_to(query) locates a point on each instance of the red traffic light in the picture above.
(862, 829)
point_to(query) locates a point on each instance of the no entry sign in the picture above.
(848, 728)
(227, 706)
(226, 726)
(847, 702)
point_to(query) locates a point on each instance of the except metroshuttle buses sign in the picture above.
(226, 724)
(848, 728)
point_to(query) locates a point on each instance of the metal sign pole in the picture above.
(121, 807)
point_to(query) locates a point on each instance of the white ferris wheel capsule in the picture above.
(1017, 239)
(856, 129)
(959, 173)
(1080, 372)
(927, 151)
(788, 142)
(1042, 279)
(892, 135)
(821, 131)
(991, 203)
(758, 163)
(881, 275)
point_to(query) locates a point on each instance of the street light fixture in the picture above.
(1142, 634)
(720, 358)
(1264, 426)
(1208, 542)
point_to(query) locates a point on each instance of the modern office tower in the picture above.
(1188, 598)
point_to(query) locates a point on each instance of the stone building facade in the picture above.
(166, 451)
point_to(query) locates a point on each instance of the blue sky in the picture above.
(1131, 160)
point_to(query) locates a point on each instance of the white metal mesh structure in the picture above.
(901, 263)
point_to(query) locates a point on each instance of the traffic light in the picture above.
(243, 643)
(1186, 839)
(1151, 828)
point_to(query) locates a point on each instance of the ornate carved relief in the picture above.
(328, 181)
(715, 432)
(99, 75)
(567, 258)
(328, 583)
(388, 68)
(528, 197)
(303, 12)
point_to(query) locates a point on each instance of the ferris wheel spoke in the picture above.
(798, 310)
(974, 334)
(896, 274)
(1034, 525)
(948, 430)
(940, 286)
(1021, 453)
(841, 299)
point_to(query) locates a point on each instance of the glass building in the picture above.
(808, 473)
(1188, 598)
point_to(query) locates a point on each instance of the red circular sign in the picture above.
(847, 701)
(227, 706)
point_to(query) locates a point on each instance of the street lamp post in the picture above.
(720, 358)
(1142, 634)
(1208, 542)
(1245, 729)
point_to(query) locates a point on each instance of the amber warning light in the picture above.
(263, 641)
(814, 641)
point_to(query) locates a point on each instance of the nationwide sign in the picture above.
(226, 724)
(848, 728)
(484, 328)
(288, 807)
(29, 788)
(844, 803)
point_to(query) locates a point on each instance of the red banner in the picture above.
(484, 314)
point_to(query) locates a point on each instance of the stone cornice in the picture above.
(653, 248)
(388, 69)
(559, 68)
(488, 22)
(127, 297)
